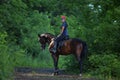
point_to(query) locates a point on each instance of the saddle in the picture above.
(61, 43)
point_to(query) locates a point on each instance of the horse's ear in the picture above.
(38, 35)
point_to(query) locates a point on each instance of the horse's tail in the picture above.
(85, 50)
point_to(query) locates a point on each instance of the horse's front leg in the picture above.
(55, 59)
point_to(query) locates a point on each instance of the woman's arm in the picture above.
(62, 29)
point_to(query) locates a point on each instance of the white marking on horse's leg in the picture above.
(53, 74)
(80, 75)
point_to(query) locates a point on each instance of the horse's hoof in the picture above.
(56, 73)
(80, 75)
(53, 74)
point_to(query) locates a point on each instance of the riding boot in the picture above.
(55, 47)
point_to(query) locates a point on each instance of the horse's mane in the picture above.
(50, 34)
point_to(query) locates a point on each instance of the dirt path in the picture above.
(44, 74)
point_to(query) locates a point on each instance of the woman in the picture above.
(63, 33)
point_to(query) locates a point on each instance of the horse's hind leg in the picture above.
(78, 55)
(80, 63)
(55, 59)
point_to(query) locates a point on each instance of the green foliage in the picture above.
(107, 65)
(35, 24)
(105, 35)
(71, 64)
(9, 57)
(42, 60)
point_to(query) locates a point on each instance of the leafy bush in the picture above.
(107, 65)
(9, 57)
(35, 24)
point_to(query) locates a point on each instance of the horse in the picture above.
(73, 46)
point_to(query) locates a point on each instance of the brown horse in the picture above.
(70, 46)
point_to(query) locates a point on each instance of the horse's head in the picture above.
(44, 38)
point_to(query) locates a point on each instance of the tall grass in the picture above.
(43, 60)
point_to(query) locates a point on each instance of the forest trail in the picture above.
(44, 74)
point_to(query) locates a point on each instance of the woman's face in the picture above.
(63, 20)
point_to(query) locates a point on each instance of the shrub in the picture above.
(9, 57)
(107, 65)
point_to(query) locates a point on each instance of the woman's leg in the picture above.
(57, 40)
